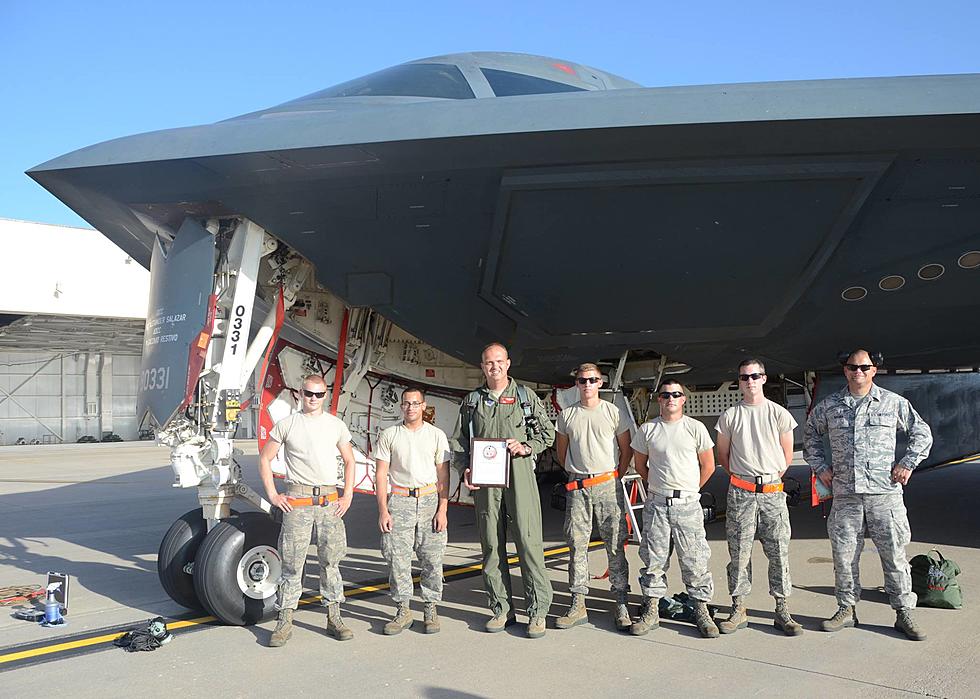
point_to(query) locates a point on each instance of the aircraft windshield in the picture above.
(412, 80)
(507, 84)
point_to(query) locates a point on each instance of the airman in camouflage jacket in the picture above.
(862, 440)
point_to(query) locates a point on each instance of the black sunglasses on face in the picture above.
(314, 394)
(582, 380)
(667, 395)
(855, 367)
(754, 376)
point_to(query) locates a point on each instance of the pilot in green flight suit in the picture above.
(495, 411)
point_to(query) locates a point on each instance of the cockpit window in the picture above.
(507, 84)
(411, 80)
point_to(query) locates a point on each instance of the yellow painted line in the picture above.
(58, 647)
(465, 569)
(171, 625)
(964, 460)
(452, 572)
(199, 621)
(92, 641)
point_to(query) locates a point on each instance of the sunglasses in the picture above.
(411, 404)
(314, 394)
(856, 367)
(667, 395)
(582, 380)
(754, 376)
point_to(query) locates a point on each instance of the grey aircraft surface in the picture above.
(569, 213)
(576, 215)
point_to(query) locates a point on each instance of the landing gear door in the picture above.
(181, 280)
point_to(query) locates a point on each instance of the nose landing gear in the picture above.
(232, 571)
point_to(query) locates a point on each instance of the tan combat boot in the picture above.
(845, 617)
(402, 620)
(577, 613)
(649, 617)
(906, 624)
(622, 614)
(738, 619)
(335, 625)
(500, 622)
(431, 618)
(783, 620)
(702, 618)
(536, 627)
(284, 629)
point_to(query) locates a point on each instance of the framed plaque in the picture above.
(489, 463)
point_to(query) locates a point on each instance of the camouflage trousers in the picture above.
(411, 530)
(684, 522)
(604, 503)
(764, 515)
(294, 545)
(888, 525)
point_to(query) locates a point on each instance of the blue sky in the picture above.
(77, 73)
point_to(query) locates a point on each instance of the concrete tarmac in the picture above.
(98, 512)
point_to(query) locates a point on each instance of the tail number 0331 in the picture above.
(236, 328)
(155, 379)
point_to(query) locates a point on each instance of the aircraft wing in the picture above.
(784, 220)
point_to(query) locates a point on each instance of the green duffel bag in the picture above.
(934, 581)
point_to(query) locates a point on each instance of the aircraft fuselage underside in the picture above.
(704, 260)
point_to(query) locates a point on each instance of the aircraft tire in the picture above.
(178, 548)
(238, 568)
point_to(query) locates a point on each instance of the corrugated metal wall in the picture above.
(54, 398)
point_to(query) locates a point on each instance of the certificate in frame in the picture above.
(489, 463)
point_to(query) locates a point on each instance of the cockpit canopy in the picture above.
(407, 80)
(470, 76)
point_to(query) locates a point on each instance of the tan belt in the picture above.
(757, 487)
(415, 492)
(582, 483)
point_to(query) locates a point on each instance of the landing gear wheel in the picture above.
(178, 548)
(238, 567)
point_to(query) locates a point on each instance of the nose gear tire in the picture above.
(233, 552)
